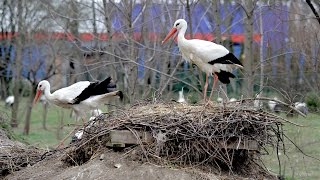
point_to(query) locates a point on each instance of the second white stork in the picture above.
(211, 58)
(82, 96)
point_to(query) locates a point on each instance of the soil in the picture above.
(112, 166)
(108, 165)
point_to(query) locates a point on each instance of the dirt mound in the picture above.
(112, 166)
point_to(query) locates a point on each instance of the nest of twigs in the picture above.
(186, 135)
(14, 156)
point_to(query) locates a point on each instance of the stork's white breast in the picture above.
(202, 52)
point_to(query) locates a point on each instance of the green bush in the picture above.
(313, 101)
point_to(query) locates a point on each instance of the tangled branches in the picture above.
(227, 138)
(14, 155)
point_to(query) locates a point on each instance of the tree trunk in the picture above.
(218, 38)
(61, 124)
(29, 110)
(132, 72)
(189, 18)
(18, 67)
(261, 52)
(248, 54)
(217, 22)
(112, 71)
(76, 57)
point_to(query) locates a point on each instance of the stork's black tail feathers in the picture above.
(224, 76)
(120, 94)
(227, 59)
(96, 88)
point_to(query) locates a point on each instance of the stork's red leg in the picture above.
(215, 79)
(205, 88)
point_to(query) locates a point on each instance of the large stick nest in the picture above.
(195, 135)
(14, 155)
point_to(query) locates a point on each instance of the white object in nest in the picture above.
(302, 107)
(256, 103)
(79, 134)
(272, 104)
(219, 100)
(117, 165)
(232, 100)
(96, 112)
(92, 118)
(161, 137)
(181, 97)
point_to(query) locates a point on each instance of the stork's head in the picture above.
(177, 26)
(42, 86)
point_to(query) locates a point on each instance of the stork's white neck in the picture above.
(182, 33)
(47, 92)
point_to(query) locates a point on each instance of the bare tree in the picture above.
(248, 7)
(18, 64)
(7, 48)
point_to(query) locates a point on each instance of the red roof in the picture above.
(239, 38)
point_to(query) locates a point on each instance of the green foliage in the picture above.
(313, 101)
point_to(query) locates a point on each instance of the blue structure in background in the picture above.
(7, 52)
(274, 24)
(33, 60)
(275, 28)
(141, 63)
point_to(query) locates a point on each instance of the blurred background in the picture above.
(66, 41)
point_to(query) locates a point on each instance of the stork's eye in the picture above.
(177, 24)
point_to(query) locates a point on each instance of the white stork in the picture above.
(211, 58)
(82, 96)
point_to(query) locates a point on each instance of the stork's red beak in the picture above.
(171, 33)
(37, 97)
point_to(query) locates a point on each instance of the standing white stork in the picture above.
(82, 96)
(211, 58)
